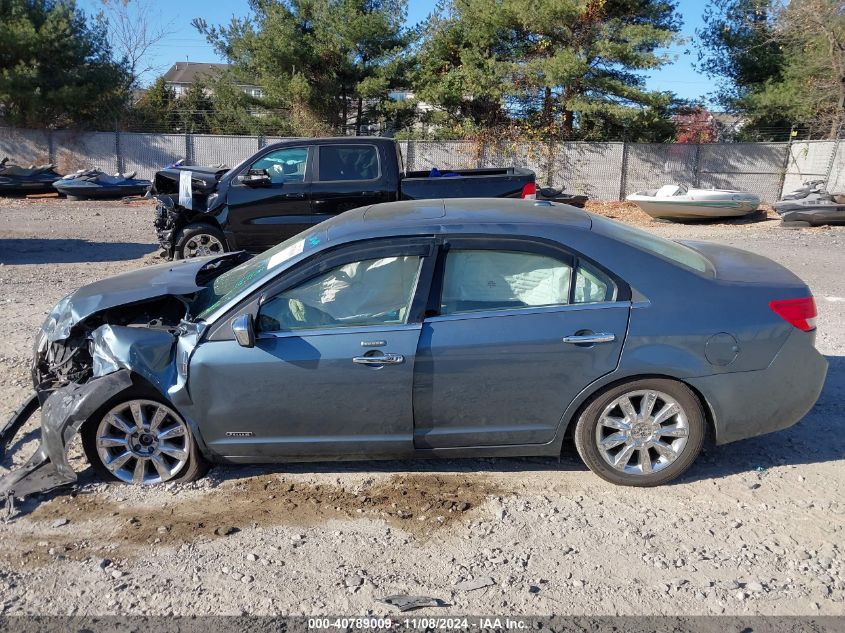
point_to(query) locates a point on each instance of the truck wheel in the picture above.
(138, 439)
(199, 240)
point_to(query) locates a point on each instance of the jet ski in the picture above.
(678, 202)
(810, 186)
(812, 205)
(34, 179)
(95, 183)
(558, 195)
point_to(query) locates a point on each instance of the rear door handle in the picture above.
(597, 337)
(384, 359)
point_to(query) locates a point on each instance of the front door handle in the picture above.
(589, 339)
(383, 359)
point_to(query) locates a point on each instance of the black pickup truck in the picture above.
(287, 187)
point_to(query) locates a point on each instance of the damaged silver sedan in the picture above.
(454, 328)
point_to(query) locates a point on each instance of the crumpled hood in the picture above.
(150, 282)
(204, 179)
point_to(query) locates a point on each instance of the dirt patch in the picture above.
(626, 211)
(419, 504)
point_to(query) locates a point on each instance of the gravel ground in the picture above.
(755, 527)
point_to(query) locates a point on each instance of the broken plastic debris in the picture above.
(472, 585)
(408, 603)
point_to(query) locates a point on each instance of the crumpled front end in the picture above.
(62, 415)
(167, 222)
(99, 341)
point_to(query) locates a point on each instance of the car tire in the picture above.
(661, 445)
(166, 451)
(199, 240)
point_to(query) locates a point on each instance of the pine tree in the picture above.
(155, 110)
(565, 67)
(56, 66)
(325, 61)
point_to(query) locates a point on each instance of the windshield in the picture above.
(229, 284)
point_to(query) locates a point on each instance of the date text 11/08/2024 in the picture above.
(421, 623)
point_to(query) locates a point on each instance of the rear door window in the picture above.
(592, 285)
(348, 162)
(476, 280)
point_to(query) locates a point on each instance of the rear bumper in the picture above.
(747, 404)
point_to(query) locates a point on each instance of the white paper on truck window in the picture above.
(186, 198)
(286, 253)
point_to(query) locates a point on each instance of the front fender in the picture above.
(146, 352)
(62, 415)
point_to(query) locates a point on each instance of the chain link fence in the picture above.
(601, 170)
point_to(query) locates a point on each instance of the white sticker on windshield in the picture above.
(285, 254)
(186, 198)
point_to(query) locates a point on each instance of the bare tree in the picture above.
(134, 29)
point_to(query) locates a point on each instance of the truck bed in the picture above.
(506, 182)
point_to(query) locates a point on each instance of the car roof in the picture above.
(449, 213)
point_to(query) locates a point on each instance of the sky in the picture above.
(186, 43)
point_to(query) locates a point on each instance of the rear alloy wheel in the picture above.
(199, 240)
(643, 433)
(142, 441)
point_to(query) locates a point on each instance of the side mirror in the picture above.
(244, 330)
(256, 178)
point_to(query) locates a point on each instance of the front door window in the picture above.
(284, 165)
(368, 292)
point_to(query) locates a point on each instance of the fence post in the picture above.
(51, 147)
(118, 152)
(696, 166)
(786, 160)
(832, 159)
(261, 141)
(623, 177)
(189, 149)
(550, 165)
(409, 158)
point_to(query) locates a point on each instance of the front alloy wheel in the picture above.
(643, 433)
(143, 442)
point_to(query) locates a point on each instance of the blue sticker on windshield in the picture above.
(313, 240)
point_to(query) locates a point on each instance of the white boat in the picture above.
(677, 202)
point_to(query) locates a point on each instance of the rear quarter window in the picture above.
(667, 249)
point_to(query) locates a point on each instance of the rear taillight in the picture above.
(799, 312)
(529, 191)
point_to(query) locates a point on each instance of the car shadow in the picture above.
(68, 251)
